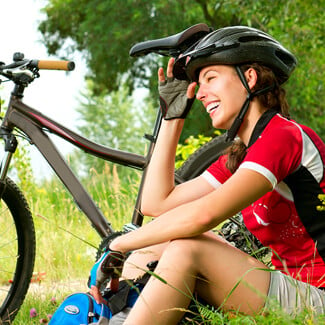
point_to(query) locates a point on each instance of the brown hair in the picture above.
(274, 99)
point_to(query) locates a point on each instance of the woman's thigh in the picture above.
(227, 277)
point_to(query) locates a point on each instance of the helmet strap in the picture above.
(233, 130)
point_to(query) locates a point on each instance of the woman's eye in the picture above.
(210, 76)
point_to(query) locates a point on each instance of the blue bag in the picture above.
(81, 309)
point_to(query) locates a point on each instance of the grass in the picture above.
(43, 300)
(274, 316)
(65, 240)
(65, 250)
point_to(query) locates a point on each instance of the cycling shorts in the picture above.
(294, 296)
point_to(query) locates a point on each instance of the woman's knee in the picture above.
(136, 264)
(177, 251)
(195, 245)
(182, 247)
(190, 248)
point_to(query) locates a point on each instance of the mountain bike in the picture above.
(17, 239)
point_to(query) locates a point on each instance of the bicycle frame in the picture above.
(35, 125)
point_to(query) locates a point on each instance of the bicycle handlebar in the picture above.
(22, 71)
(52, 65)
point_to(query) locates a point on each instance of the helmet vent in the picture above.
(252, 38)
(285, 58)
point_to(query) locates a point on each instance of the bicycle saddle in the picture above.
(171, 45)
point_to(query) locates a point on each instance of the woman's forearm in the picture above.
(179, 222)
(159, 181)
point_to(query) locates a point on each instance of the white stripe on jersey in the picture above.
(260, 169)
(211, 179)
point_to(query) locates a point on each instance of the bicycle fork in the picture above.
(10, 148)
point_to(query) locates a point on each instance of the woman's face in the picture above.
(222, 94)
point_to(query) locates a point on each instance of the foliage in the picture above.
(301, 29)
(273, 316)
(105, 30)
(23, 167)
(191, 144)
(117, 120)
(38, 308)
(322, 201)
(66, 242)
(108, 189)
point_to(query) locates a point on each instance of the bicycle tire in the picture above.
(17, 253)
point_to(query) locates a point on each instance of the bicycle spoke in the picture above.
(7, 243)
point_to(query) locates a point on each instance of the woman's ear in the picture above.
(251, 77)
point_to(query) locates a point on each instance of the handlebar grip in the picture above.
(54, 65)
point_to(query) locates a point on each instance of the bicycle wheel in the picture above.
(17, 251)
(233, 230)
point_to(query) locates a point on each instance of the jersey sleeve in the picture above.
(217, 173)
(275, 154)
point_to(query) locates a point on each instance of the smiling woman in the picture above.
(55, 93)
(275, 185)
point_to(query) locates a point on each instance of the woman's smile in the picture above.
(211, 108)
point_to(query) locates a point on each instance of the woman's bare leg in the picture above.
(209, 265)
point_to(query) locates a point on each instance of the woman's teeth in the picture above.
(212, 107)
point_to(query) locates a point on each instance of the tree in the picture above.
(105, 30)
(116, 120)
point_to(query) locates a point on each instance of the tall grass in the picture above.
(65, 241)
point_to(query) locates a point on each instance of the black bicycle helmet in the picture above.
(235, 45)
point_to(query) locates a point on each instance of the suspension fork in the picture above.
(10, 148)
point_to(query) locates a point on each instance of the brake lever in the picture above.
(21, 75)
(14, 65)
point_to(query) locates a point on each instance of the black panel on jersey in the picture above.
(305, 190)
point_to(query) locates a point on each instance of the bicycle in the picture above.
(18, 233)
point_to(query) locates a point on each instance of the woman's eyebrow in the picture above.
(204, 74)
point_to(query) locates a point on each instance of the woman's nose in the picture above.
(201, 94)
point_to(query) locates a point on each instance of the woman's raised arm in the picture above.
(160, 193)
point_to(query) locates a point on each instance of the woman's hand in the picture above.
(108, 267)
(176, 96)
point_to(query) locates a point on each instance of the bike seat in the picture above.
(171, 45)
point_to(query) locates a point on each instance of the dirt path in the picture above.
(63, 287)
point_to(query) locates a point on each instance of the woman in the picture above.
(273, 174)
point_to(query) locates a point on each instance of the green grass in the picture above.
(43, 301)
(65, 240)
(274, 316)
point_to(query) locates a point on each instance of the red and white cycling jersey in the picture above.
(291, 157)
